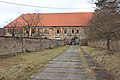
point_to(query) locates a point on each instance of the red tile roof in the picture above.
(57, 19)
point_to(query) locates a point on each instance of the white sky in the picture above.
(9, 11)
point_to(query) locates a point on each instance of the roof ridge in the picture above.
(62, 13)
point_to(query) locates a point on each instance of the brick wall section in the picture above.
(14, 45)
(100, 43)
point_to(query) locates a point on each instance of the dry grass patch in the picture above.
(22, 66)
(109, 62)
(89, 72)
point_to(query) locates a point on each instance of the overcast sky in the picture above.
(10, 11)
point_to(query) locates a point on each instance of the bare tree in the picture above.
(31, 21)
(13, 26)
(105, 23)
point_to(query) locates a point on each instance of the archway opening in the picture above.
(74, 41)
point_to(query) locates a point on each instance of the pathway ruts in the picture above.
(67, 66)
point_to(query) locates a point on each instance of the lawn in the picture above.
(22, 66)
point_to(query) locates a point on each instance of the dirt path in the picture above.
(67, 66)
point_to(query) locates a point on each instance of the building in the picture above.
(2, 32)
(51, 25)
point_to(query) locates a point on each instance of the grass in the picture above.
(109, 62)
(22, 66)
(89, 72)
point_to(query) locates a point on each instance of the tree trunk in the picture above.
(28, 34)
(30, 31)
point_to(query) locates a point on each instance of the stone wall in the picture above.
(101, 43)
(14, 45)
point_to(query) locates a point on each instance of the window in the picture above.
(72, 31)
(50, 30)
(20, 31)
(38, 30)
(77, 31)
(65, 31)
(58, 31)
(46, 31)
